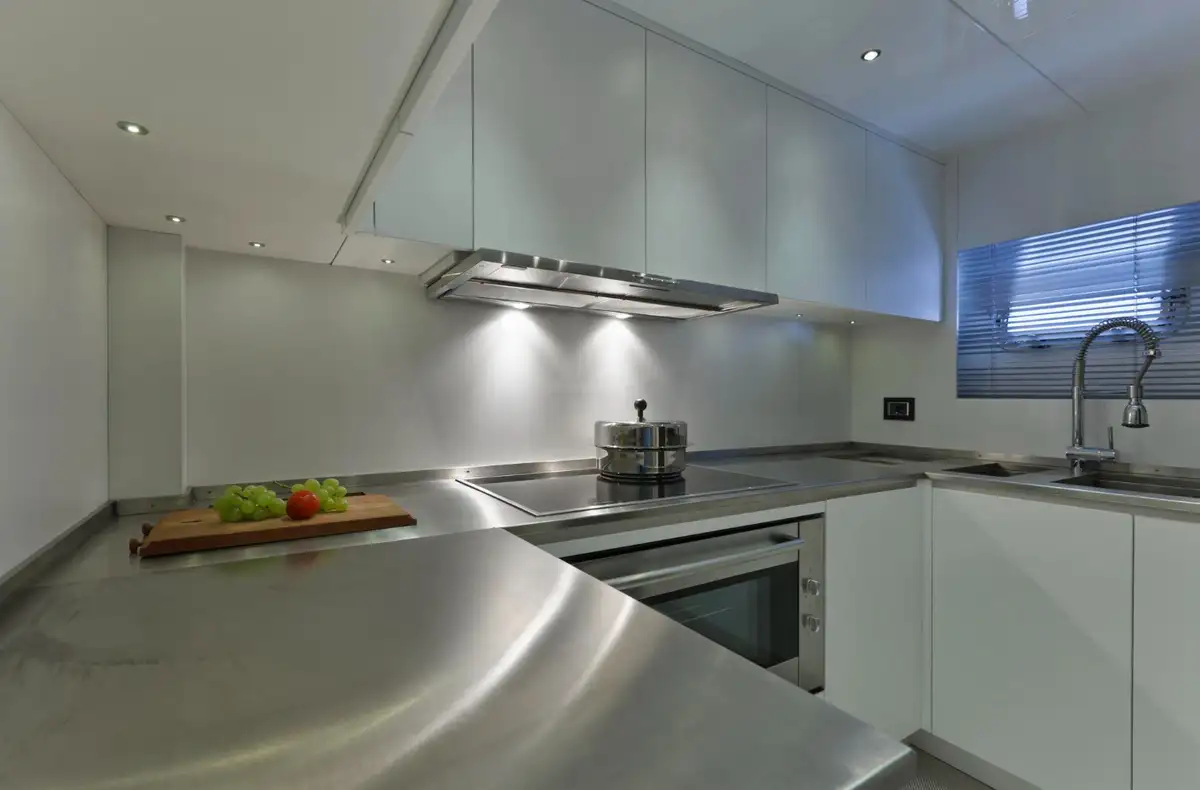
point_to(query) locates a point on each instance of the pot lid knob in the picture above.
(640, 404)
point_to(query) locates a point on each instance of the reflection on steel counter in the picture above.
(464, 661)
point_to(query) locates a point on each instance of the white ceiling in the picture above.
(953, 72)
(262, 114)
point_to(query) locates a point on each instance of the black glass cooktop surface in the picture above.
(571, 492)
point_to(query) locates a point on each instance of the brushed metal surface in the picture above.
(463, 661)
(443, 506)
(933, 774)
(498, 276)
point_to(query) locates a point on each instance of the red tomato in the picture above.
(302, 505)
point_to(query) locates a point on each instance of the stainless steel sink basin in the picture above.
(1138, 484)
(997, 469)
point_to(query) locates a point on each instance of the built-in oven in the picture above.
(755, 590)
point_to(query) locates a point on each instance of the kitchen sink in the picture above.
(997, 469)
(1138, 484)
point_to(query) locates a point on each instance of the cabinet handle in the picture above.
(811, 623)
(810, 587)
(662, 574)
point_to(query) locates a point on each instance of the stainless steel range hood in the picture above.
(514, 279)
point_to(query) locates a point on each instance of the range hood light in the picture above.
(621, 316)
(519, 305)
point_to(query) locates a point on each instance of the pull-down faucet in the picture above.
(1135, 415)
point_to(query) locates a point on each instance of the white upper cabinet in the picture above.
(427, 197)
(904, 231)
(706, 169)
(560, 133)
(816, 204)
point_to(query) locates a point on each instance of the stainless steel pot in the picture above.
(642, 451)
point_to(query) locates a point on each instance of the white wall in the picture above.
(298, 369)
(53, 453)
(1135, 155)
(145, 362)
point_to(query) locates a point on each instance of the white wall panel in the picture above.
(146, 367)
(53, 435)
(1131, 157)
(301, 369)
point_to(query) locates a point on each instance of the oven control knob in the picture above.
(811, 622)
(810, 587)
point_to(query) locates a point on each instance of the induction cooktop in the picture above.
(573, 492)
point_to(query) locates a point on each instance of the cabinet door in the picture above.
(1166, 655)
(427, 197)
(706, 169)
(816, 204)
(904, 229)
(560, 133)
(1032, 637)
(875, 601)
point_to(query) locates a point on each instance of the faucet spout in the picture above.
(1135, 414)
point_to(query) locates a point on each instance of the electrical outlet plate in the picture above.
(900, 409)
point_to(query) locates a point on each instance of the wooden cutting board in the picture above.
(200, 530)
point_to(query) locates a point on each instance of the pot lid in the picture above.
(641, 421)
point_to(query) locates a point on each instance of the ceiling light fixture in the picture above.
(132, 128)
(799, 315)
(175, 219)
(257, 245)
(388, 261)
(871, 54)
(851, 323)
(519, 305)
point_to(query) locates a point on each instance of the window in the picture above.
(1025, 305)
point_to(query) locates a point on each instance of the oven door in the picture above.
(740, 589)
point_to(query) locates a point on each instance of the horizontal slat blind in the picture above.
(1025, 305)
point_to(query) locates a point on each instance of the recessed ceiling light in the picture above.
(851, 323)
(257, 244)
(799, 315)
(175, 219)
(388, 261)
(621, 316)
(871, 54)
(132, 128)
(519, 305)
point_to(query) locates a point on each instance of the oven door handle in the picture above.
(671, 572)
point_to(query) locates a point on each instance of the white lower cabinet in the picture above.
(1166, 655)
(1032, 638)
(875, 608)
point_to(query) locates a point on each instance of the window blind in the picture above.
(1024, 306)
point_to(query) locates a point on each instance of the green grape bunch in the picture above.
(257, 503)
(330, 493)
(249, 503)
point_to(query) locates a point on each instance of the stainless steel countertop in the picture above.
(1045, 485)
(464, 661)
(446, 507)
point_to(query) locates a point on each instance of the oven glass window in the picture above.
(756, 615)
